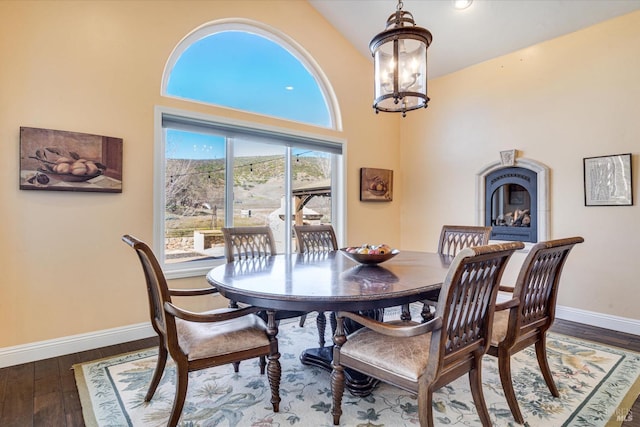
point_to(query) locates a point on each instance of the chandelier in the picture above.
(400, 64)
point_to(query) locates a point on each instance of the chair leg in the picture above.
(504, 366)
(236, 367)
(425, 408)
(321, 324)
(406, 313)
(157, 374)
(303, 319)
(274, 370)
(475, 381)
(426, 314)
(337, 390)
(263, 364)
(274, 373)
(333, 322)
(182, 381)
(541, 353)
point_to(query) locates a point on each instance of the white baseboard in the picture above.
(592, 318)
(606, 321)
(25, 353)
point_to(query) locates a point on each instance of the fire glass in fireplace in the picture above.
(511, 204)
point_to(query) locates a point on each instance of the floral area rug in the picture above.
(597, 385)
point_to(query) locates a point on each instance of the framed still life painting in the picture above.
(69, 161)
(376, 185)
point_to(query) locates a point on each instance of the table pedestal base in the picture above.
(357, 383)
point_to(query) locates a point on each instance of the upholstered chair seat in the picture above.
(405, 357)
(199, 340)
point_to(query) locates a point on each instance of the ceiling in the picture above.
(487, 29)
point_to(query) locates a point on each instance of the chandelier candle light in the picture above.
(400, 64)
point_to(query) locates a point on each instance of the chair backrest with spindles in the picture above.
(537, 287)
(453, 238)
(248, 242)
(157, 290)
(315, 238)
(466, 304)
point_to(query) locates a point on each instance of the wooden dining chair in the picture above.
(241, 243)
(454, 238)
(314, 239)
(202, 340)
(421, 358)
(524, 319)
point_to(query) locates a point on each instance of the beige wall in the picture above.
(96, 67)
(557, 102)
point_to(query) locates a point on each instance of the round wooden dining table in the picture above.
(328, 282)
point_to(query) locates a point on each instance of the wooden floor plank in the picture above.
(48, 405)
(70, 397)
(18, 403)
(48, 410)
(3, 387)
(46, 377)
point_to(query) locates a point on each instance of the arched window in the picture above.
(242, 65)
(212, 172)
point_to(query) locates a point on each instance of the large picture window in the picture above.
(216, 174)
(211, 172)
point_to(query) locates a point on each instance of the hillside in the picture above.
(258, 180)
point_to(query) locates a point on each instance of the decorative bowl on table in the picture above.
(369, 254)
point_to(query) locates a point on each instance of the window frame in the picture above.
(292, 137)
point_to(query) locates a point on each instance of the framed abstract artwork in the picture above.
(607, 180)
(69, 161)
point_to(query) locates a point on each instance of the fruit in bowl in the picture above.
(370, 254)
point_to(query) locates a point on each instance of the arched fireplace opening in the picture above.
(512, 196)
(511, 204)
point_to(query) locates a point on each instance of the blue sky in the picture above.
(249, 72)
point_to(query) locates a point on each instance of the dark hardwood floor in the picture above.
(44, 393)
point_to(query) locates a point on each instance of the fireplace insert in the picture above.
(511, 204)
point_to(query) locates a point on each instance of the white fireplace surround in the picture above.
(542, 172)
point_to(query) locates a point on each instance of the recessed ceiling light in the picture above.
(462, 4)
(288, 87)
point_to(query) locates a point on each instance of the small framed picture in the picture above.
(607, 180)
(69, 161)
(376, 185)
